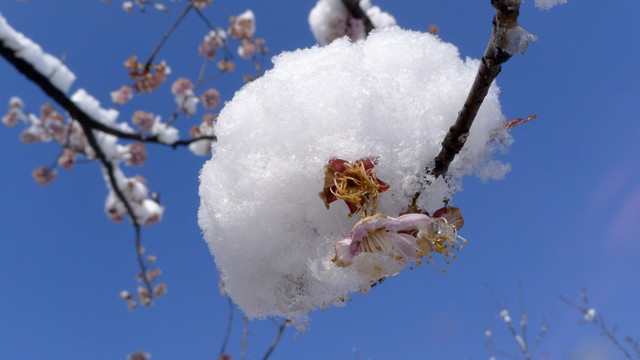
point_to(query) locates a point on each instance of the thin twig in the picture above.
(597, 320)
(523, 313)
(229, 323)
(155, 52)
(275, 339)
(245, 337)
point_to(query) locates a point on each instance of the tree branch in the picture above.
(87, 123)
(507, 38)
(353, 6)
(498, 51)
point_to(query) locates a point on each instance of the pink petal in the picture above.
(345, 252)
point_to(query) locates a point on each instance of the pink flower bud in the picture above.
(122, 95)
(181, 86)
(67, 159)
(137, 154)
(44, 175)
(210, 99)
(144, 120)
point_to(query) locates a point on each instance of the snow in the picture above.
(392, 96)
(47, 65)
(518, 40)
(330, 20)
(548, 4)
(166, 134)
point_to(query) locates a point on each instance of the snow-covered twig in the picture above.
(88, 125)
(520, 339)
(353, 6)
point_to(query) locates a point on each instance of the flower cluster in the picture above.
(146, 78)
(146, 209)
(144, 296)
(203, 147)
(243, 28)
(50, 125)
(212, 41)
(187, 101)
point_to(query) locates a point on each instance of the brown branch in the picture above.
(353, 6)
(498, 51)
(495, 55)
(85, 122)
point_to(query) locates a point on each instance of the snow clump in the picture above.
(548, 4)
(392, 96)
(330, 20)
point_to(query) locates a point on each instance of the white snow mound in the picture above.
(393, 96)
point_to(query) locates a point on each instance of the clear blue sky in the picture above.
(567, 216)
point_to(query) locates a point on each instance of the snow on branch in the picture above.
(128, 196)
(333, 19)
(45, 64)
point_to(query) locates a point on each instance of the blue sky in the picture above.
(566, 216)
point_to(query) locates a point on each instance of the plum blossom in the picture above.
(330, 20)
(242, 26)
(67, 159)
(210, 99)
(381, 246)
(201, 4)
(53, 122)
(212, 41)
(122, 95)
(160, 290)
(115, 209)
(139, 355)
(127, 6)
(10, 119)
(226, 65)
(136, 155)
(184, 96)
(355, 183)
(202, 147)
(181, 86)
(16, 112)
(144, 120)
(145, 79)
(44, 175)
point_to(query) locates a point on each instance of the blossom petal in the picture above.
(405, 245)
(345, 252)
(409, 222)
(369, 224)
